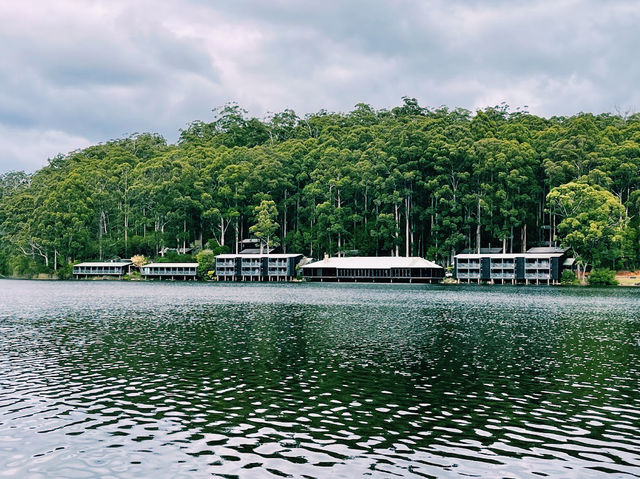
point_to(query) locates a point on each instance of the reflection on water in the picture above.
(102, 379)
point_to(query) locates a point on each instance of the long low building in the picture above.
(374, 269)
(536, 266)
(101, 269)
(256, 267)
(178, 271)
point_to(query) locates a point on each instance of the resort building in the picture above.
(180, 271)
(374, 269)
(112, 269)
(256, 267)
(536, 266)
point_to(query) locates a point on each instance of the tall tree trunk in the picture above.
(511, 241)
(406, 227)
(397, 234)
(478, 229)
(284, 226)
(184, 236)
(237, 236)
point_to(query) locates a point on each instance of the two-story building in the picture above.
(256, 267)
(538, 265)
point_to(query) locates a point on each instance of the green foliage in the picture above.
(216, 248)
(406, 181)
(173, 257)
(22, 266)
(206, 263)
(593, 223)
(568, 277)
(602, 277)
(65, 271)
(265, 227)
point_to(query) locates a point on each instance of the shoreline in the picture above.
(621, 284)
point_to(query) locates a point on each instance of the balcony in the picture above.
(468, 275)
(545, 276)
(169, 272)
(503, 265)
(503, 275)
(98, 271)
(468, 265)
(537, 265)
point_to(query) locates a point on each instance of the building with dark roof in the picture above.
(256, 267)
(537, 266)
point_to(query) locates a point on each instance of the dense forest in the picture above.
(402, 181)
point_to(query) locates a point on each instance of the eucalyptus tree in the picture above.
(592, 222)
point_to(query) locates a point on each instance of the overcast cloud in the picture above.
(78, 72)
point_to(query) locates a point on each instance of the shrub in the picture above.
(65, 271)
(602, 277)
(139, 260)
(568, 277)
(206, 263)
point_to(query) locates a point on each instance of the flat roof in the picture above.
(373, 262)
(103, 264)
(546, 249)
(263, 255)
(170, 265)
(509, 255)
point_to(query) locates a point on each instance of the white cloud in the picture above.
(29, 149)
(96, 70)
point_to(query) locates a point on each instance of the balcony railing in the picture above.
(469, 275)
(537, 265)
(503, 275)
(169, 272)
(502, 265)
(537, 276)
(98, 271)
(469, 265)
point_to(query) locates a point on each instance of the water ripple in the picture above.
(191, 380)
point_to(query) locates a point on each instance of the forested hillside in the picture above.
(403, 181)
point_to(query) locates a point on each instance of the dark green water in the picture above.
(119, 380)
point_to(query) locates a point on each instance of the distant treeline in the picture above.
(409, 180)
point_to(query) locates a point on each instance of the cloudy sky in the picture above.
(78, 72)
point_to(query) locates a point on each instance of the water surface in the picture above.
(123, 380)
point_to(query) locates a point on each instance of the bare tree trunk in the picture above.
(397, 235)
(406, 227)
(478, 229)
(184, 236)
(284, 227)
(511, 241)
(237, 236)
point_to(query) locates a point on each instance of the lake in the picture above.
(104, 379)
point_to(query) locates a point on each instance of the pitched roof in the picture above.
(103, 264)
(254, 256)
(373, 262)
